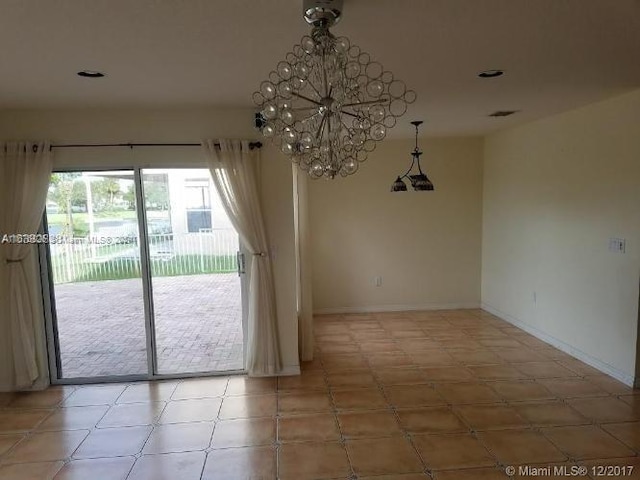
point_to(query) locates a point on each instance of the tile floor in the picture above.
(449, 395)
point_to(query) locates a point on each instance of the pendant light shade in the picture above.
(421, 182)
(398, 186)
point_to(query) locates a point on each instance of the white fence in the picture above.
(112, 258)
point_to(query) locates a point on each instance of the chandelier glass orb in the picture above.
(327, 104)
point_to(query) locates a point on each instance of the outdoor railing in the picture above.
(115, 258)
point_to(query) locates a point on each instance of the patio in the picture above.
(198, 325)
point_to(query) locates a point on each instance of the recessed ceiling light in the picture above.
(90, 74)
(491, 73)
(503, 113)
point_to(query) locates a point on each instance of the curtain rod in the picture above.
(252, 145)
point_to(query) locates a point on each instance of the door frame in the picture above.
(49, 305)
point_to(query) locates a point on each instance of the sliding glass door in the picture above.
(142, 274)
(197, 307)
(96, 274)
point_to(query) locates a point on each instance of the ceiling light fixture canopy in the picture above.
(328, 104)
(491, 73)
(90, 74)
(419, 181)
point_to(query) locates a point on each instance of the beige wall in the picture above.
(555, 191)
(304, 281)
(176, 125)
(424, 245)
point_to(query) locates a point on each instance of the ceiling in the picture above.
(557, 54)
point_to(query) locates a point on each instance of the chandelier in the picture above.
(419, 181)
(327, 104)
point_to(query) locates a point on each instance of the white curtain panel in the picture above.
(234, 170)
(25, 173)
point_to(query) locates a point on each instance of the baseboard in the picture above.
(565, 347)
(287, 370)
(395, 308)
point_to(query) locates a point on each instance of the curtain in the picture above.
(26, 172)
(234, 171)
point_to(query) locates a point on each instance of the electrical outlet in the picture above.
(617, 245)
(378, 281)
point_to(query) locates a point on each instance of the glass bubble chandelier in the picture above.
(327, 104)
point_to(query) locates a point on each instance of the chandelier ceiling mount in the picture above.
(322, 12)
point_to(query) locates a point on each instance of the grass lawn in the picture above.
(121, 268)
(61, 218)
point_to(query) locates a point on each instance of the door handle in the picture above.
(240, 262)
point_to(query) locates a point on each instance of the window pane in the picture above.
(198, 220)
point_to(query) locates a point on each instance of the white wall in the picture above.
(425, 245)
(555, 191)
(173, 126)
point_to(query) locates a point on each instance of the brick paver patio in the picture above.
(198, 325)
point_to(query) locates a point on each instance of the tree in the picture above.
(61, 191)
(63, 188)
(79, 195)
(105, 192)
(156, 192)
(130, 197)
